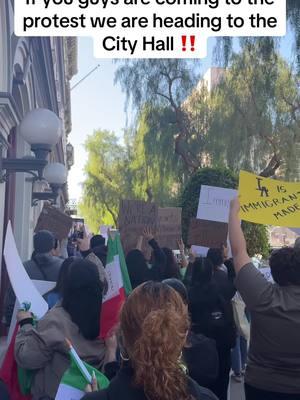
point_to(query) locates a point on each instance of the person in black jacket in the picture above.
(212, 316)
(153, 325)
(223, 271)
(171, 269)
(139, 269)
(200, 352)
(96, 246)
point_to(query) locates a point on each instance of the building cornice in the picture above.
(9, 116)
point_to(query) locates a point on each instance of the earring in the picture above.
(123, 357)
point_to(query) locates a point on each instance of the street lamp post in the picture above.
(56, 175)
(41, 128)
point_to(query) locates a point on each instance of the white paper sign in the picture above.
(22, 285)
(43, 287)
(104, 231)
(214, 204)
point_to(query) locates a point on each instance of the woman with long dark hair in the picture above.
(55, 295)
(212, 316)
(171, 268)
(139, 269)
(77, 317)
(153, 326)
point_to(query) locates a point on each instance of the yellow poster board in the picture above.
(269, 201)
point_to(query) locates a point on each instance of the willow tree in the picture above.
(163, 83)
(224, 48)
(156, 170)
(107, 178)
(255, 121)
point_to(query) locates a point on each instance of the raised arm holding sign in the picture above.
(269, 201)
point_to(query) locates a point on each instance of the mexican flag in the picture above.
(119, 285)
(17, 381)
(73, 382)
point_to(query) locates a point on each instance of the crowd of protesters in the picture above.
(180, 335)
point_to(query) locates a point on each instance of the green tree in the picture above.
(108, 178)
(224, 48)
(160, 84)
(256, 235)
(257, 239)
(255, 116)
(153, 164)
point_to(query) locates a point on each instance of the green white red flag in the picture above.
(77, 377)
(119, 285)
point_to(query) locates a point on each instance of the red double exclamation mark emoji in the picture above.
(192, 41)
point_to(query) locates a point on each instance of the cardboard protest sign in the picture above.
(269, 201)
(134, 216)
(55, 221)
(23, 287)
(169, 227)
(214, 203)
(210, 234)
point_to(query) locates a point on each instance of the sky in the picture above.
(98, 103)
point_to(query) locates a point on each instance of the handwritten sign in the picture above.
(169, 227)
(269, 201)
(214, 203)
(134, 216)
(55, 221)
(210, 234)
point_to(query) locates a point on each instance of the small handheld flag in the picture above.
(76, 378)
(78, 362)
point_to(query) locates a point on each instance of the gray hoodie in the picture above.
(43, 267)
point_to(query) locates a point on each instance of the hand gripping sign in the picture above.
(150, 28)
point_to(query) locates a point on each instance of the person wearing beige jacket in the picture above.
(77, 317)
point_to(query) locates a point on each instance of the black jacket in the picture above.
(225, 285)
(121, 388)
(204, 302)
(157, 269)
(99, 251)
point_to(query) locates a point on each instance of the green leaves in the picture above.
(255, 112)
(108, 178)
(256, 235)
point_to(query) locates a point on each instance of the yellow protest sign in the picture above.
(269, 201)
